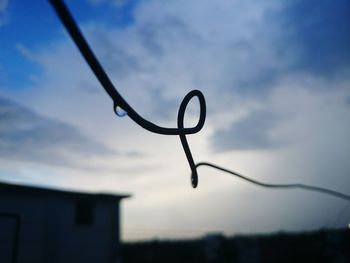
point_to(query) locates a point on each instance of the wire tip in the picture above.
(194, 180)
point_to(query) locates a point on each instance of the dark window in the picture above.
(84, 212)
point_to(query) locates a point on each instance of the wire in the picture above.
(268, 185)
(119, 102)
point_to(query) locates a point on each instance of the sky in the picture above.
(276, 78)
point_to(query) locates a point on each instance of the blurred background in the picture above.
(276, 77)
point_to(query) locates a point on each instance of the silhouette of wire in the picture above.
(118, 101)
(296, 185)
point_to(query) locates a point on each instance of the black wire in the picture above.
(73, 30)
(297, 185)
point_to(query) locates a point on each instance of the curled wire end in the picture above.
(180, 124)
(194, 178)
(121, 107)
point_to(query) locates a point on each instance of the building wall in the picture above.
(51, 231)
(69, 240)
(8, 236)
(30, 213)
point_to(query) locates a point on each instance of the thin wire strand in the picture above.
(268, 185)
(118, 101)
(78, 38)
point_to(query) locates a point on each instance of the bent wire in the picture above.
(118, 101)
(295, 185)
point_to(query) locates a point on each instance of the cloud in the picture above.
(96, 2)
(169, 53)
(230, 48)
(247, 51)
(28, 136)
(117, 3)
(3, 15)
(272, 122)
(252, 132)
(26, 53)
(231, 56)
(319, 33)
(3, 5)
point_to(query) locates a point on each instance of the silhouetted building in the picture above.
(46, 225)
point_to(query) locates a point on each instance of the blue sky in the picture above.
(22, 26)
(276, 79)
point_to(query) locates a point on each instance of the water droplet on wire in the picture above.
(120, 112)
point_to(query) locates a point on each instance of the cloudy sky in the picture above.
(276, 77)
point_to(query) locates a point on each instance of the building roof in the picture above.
(8, 188)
